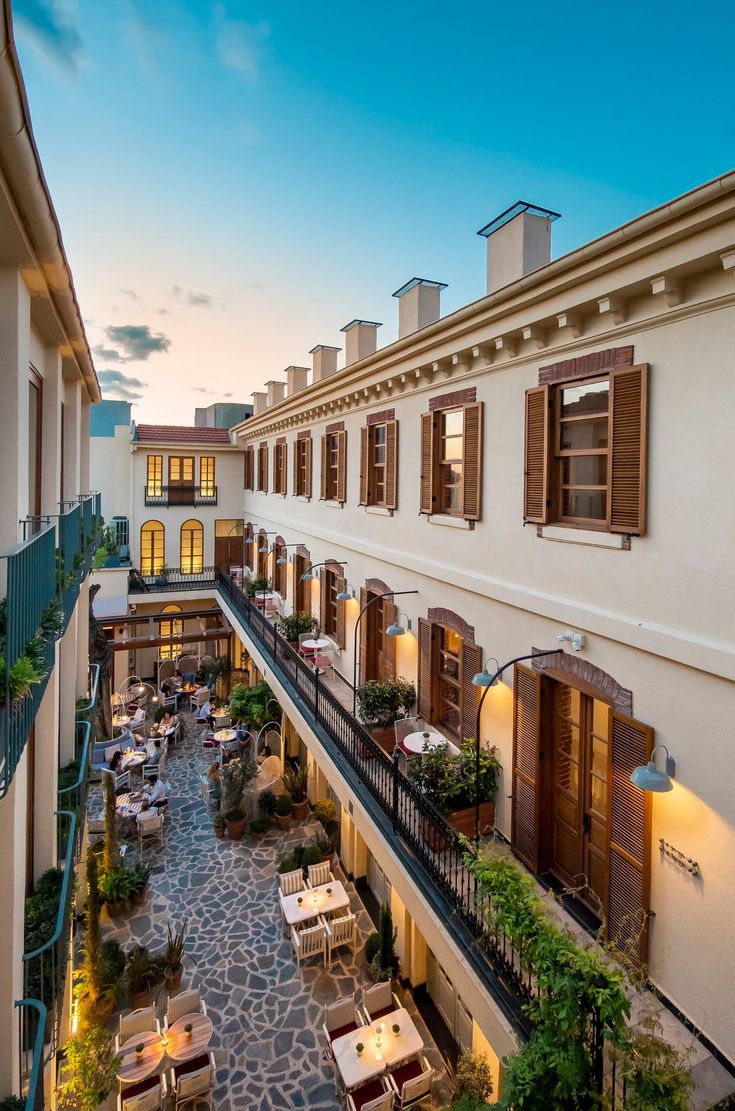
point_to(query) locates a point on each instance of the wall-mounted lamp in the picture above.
(396, 629)
(484, 678)
(576, 640)
(649, 778)
(309, 576)
(346, 595)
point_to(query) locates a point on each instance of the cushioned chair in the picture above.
(141, 1021)
(187, 1002)
(375, 1096)
(340, 1018)
(379, 1000)
(340, 931)
(309, 943)
(148, 1095)
(149, 826)
(193, 1081)
(319, 874)
(411, 1083)
(291, 882)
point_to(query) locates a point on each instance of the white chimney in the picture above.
(361, 340)
(295, 379)
(276, 392)
(260, 402)
(518, 242)
(418, 305)
(324, 362)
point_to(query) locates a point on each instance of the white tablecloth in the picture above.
(296, 912)
(376, 1059)
(415, 742)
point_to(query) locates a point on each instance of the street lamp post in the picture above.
(486, 680)
(393, 631)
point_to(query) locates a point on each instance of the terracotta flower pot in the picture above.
(139, 999)
(219, 832)
(235, 829)
(138, 900)
(256, 836)
(301, 810)
(283, 821)
(173, 981)
(115, 910)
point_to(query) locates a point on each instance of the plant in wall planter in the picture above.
(284, 810)
(380, 704)
(297, 624)
(449, 781)
(296, 781)
(90, 1070)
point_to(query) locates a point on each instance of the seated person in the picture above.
(116, 761)
(215, 709)
(168, 686)
(154, 793)
(154, 755)
(168, 721)
(204, 711)
(177, 680)
(264, 754)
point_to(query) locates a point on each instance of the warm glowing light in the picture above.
(141, 688)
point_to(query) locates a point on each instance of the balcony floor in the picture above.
(267, 1016)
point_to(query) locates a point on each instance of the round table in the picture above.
(414, 742)
(134, 1068)
(179, 1046)
(314, 645)
(225, 735)
(123, 719)
(132, 758)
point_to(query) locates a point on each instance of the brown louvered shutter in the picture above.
(249, 468)
(391, 465)
(341, 466)
(471, 664)
(295, 467)
(631, 744)
(284, 468)
(323, 485)
(472, 462)
(276, 469)
(628, 449)
(527, 714)
(365, 466)
(364, 630)
(340, 637)
(390, 616)
(536, 467)
(426, 667)
(322, 598)
(307, 468)
(427, 463)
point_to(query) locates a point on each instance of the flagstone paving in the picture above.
(267, 1015)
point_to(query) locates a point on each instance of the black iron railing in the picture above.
(180, 495)
(171, 578)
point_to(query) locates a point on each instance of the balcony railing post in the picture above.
(395, 757)
(316, 692)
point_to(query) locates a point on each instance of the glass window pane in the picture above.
(581, 401)
(453, 423)
(587, 504)
(580, 435)
(452, 447)
(598, 795)
(599, 757)
(584, 470)
(379, 434)
(600, 718)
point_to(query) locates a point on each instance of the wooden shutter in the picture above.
(276, 470)
(390, 617)
(631, 744)
(307, 469)
(626, 510)
(282, 469)
(364, 629)
(536, 467)
(322, 598)
(426, 668)
(365, 465)
(471, 664)
(249, 468)
(323, 486)
(391, 464)
(264, 468)
(472, 461)
(341, 466)
(427, 463)
(340, 637)
(295, 468)
(527, 687)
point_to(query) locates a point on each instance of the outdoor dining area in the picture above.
(174, 1061)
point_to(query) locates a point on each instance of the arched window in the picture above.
(152, 548)
(192, 548)
(173, 627)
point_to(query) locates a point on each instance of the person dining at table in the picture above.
(115, 761)
(153, 794)
(155, 752)
(168, 721)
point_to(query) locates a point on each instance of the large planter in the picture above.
(114, 910)
(464, 820)
(386, 738)
(140, 998)
(301, 810)
(256, 836)
(283, 821)
(138, 900)
(219, 832)
(235, 829)
(173, 980)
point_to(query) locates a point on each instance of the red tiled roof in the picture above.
(180, 434)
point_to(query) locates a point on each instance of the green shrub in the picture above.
(12, 1103)
(474, 1076)
(382, 703)
(90, 1072)
(23, 675)
(312, 855)
(297, 624)
(260, 825)
(372, 945)
(325, 811)
(267, 804)
(288, 864)
(284, 805)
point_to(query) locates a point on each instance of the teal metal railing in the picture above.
(27, 576)
(74, 797)
(32, 1022)
(92, 688)
(70, 559)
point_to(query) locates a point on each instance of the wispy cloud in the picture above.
(132, 343)
(130, 293)
(123, 387)
(193, 297)
(241, 45)
(212, 393)
(49, 25)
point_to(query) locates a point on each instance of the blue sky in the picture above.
(235, 181)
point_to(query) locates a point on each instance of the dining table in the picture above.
(181, 1046)
(225, 735)
(133, 1067)
(132, 758)
(126, 808)
(311, 902)
(382, 1048)
(415, 743)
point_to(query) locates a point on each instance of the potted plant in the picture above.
(311, 855)
(117, 889)
(284, 810)
(325, 812)
(239, 704)
(384, 965)
(173, 956)
(474, 1079)
(188, 1029)
(381, 703)
(139, 1050)
(267, 805)
(296, 781)
(295, 625)
(235, 777)
(218, 822)
(450, 783)
(327, 846)
(140, 875)
(261, 584)
(90, 1070)
(359, 1049)
(143, 974)
(259, 828)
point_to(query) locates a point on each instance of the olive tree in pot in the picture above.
(297, 624)
(296, 781)
(235, 777)
(381, 703)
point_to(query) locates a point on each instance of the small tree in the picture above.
(92, 978)
(111, 853)
(474, 1076)
(91, 1070)
(384, 964)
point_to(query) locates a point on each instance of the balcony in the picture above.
(172, 578)
(167, 496)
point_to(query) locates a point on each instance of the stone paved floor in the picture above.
(267, 1015)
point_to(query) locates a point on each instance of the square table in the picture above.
(375, 1058)
(296, 913)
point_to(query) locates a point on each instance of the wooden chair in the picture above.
(375, 1096)
(291, 882)
(187, 1002)
(340, 1018)
(193, 1081)
(309, 943)
(379, 1000)
(141, 1021)
(340, 931)
(307, 653)
(149, 827)
(319, 874)
(411, 1083)
(148, 1095)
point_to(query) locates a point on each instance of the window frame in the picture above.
(263, 468)
(154, 476)
(559, 454)
(330, 605)
(181, 460)
(302, 485)
(280, 460)
(191, 563)
(439, 462)
(149, 568)
(331, 484)
(206, 481)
